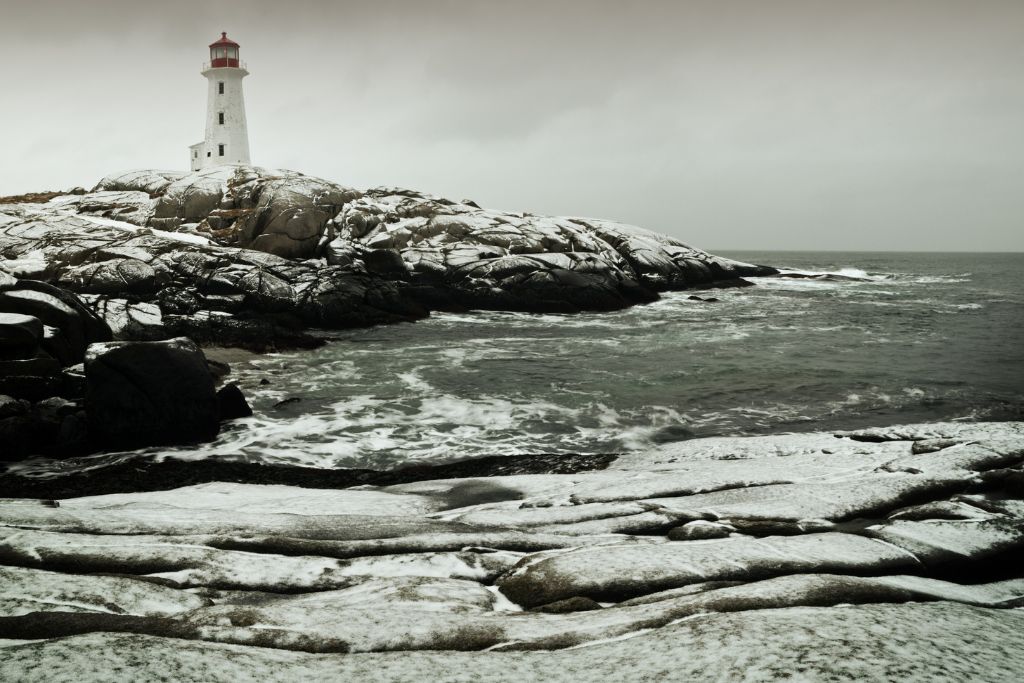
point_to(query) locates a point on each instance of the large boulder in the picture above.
(285, 213)
(152, 183)
(53, 426)
(135, 207)
(190, 198)
(279, 212)
(149, 393)
(116, 276)
(128, 321)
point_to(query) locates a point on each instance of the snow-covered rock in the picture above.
(617, 573)
(196, 288)
(455, 254)
(23, 591)
(458, 254)
(941, 641)
(880, 549)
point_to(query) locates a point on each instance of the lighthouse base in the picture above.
(196, 155)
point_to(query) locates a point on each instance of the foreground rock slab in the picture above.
(941, 641)
(879, 554)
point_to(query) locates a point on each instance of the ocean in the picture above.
(874, 339)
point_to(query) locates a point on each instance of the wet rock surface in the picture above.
(850, 555)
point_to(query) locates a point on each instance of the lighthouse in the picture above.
(227, 138)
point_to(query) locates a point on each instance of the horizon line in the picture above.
(862, 251)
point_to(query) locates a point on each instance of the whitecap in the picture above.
(940, 279)
(844, 273)
(413, 381)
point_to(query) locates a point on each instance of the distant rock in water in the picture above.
(844, 275)
(247, 255)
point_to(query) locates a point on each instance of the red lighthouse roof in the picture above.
(224, 54)
(224, 41)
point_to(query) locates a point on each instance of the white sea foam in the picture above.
(940, 279)
(413, 380)
(470, 384)
(848, 273)
(802, 285)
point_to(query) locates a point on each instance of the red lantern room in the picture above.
(224, 52)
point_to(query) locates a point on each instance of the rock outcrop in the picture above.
(69, 326)
(66, 389)
(401, 579)
(44, 334)
(178, 284)
(940, 641)
(249, 252)
(492, 259)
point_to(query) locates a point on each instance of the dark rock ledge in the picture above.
(134, 475)
(66, 389)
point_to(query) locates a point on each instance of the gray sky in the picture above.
(785, 124)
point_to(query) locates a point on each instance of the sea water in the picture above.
(874, 339)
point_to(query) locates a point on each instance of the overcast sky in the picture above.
(760, 124)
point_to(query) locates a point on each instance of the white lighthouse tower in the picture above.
(227, 138)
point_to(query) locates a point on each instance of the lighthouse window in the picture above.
(220, 87)
(220, 118)
(220, 150)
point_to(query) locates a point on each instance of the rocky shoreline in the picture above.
(880, 553)
(272, 251)
(883, 553)
(67, 389)
(264, 260)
